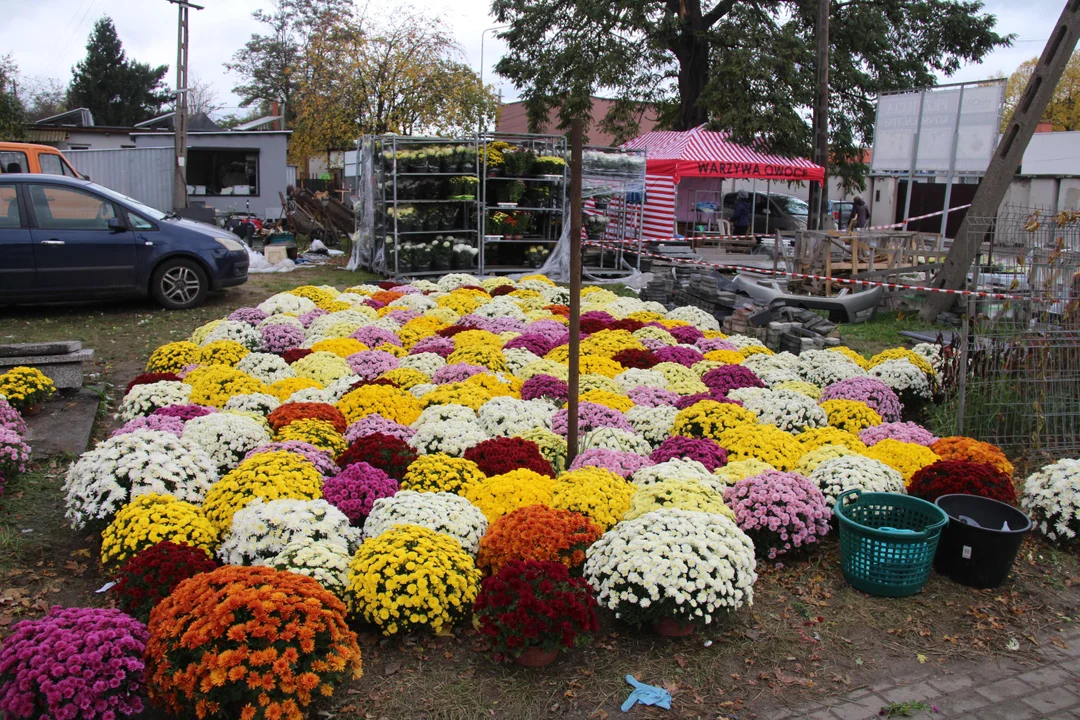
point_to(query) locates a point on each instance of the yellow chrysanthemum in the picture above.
(389, 402)
(173, 357)
(222, 352)
(343, 347)
(284, 388)
(501, 494)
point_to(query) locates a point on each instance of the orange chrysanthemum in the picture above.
(290, 411)
(965, 448)
(537, 532)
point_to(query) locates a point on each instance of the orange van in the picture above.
(37, 159)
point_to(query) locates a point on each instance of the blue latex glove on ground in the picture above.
(646, 695)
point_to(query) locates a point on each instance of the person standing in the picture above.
(860, 215)
(740, 217)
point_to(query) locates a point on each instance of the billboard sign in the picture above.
(931, 115)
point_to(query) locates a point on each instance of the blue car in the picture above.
(66, 238)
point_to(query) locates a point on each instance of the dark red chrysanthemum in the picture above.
(385, 452)
(640, 359)
(147, 378)
(949, 477)
(153, 573)
(291, 356)
(501, 455)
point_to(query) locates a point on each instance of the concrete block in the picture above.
(63, 427)
(62, 347)
(862, 709)
(951, 683)
(919, 692)
(1052, 700)
(1004, 689)
(1049, 676)
(66, 371)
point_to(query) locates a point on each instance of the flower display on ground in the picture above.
(151, 518)
(623, 464)
(503, 455)
(534, 604)
(151, 574)
(738, 470)
(411, 577)
(811, 460)
(1052, 499)
(706, 451)
(325, 561)
(385, 452)
(903, 431)
(537, 532)
(174, 357)
(288, 412)
(265, 367)
(682, 494)
(835, 476)
(782, 512)
(213, 385)
(905, 379)
(370, 424)
(388, 402)
(442, 512)
(355, 489)
(144, 399)
(126, 466)
(790, 411)
(818, 437)
(976, 451)
(823, 368)
(852, 416)
(949, 477)
(710, 419)
(24, 387)
(671, 563)
(319, 433)
(904, 457)
(600, 494)
(14, 455)
(258, 403)
(766, 443)
(269, 476)
(500, 494)
(225, 437)
(82, 663)
(281, 635)
(260, 530)
(876, 394)
(184, 412)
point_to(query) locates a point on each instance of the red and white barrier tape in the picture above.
(917, 217)
(807, 276)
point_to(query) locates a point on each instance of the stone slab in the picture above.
(58, 359)
(61, 347)
(66, 371)
(63, 426)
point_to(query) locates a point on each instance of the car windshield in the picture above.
(792, 205)
(133, 204)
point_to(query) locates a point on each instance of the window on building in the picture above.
(222, 172)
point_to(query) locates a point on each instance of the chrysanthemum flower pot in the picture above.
(670, 627)
(537, 657)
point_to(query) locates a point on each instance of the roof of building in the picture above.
(513, 118)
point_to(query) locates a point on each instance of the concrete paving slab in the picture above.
(63, 426)
(61, 347)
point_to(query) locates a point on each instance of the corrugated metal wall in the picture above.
(145, 174)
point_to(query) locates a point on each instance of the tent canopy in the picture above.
(703, 153)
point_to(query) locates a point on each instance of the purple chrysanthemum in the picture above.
(376, 423)
(373, 336)
(617, 461)
(278, 338)
(730, 377)
(164, 423)
(591, 416)
(545, 386)
(251, 316)
(869, 390)
(184, 412)
(458, 372)
(649, 396)
(370, 364)
(706, 451)
(356, 488)
(903, 431)
(678, 354)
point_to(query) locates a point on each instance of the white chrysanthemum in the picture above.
(744, 341)
(507, 416)
(501, 306)
(455, 280)
(636, 377)
(614, 439)
(676, 469)
(325, 561)
(774, 369)
(236, 331)
(427, 363)
(282, 320)
(260, 530)
(226, 437)
(444, 413)
(673, 563)
(823, 367)
(624, 307)
(695, 316)
(286, 303)
(452, 437)
(855, 472)
(144, 399)
(267, 367)
(652, 423)
(253, 402)
(143, 461)
(442, 512)
(421, 389)
(556, 295)
(415, 301)
(314, 395)
(1052, 497)
(788, 410)
(903, 378)
(518, 359)
(931, 352)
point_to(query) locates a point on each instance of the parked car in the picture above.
(64, 238)
(37, 159)
(841, 212)
(786, 212)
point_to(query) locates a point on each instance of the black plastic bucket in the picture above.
(979, 556)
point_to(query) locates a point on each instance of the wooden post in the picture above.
(576, 144)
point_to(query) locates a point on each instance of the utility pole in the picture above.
(577, 137)
(1006, 161)
(180, 113)
(819, 196)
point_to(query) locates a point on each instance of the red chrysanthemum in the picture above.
(385, 452)
(151, 574)
(147, 378)
(949, 477)
(640, 359)
(501, 455)
(291, 356)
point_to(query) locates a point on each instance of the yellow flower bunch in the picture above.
(613, 400)
(222, 352)
(202, 331)
(390, 402)
(339, 330)
(711, 418)
(596, 492)
(645, 316)
(608, 343)
(545, 367)
(489, 356)
(904, 457)
(152, 518)
(459, 393)
(714, 334)
(651, 332)
(766, 443)
(496, 387)
(343, 347)
(321, 296)
(810, 390)
(594, 295)
(552, 447)
(808, 463)
(537, 277)
(324, 367)
(440, 472)
(25, 386)
(500, 494)
(445, 316)
(471, 338)
(395, 350)
(851, 355)
(738, 470)
(525, 294)
(681, 379)
(814, 438)
(252, 415)
(495, 281)
(269, 475)
(406, 377)
(214, 385)
(728, 357)
(904, 354)
(853, 416)
(591, 382)
(462, 303)
(680, 494)
(412, 578)
(284, 388)
(755, 350)
(417, 329)
(703, 366)
(173, 357)
(599, 366)
(337, 306)
(668, 323)
(319, 433)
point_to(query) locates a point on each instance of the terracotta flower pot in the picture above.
(670, 627)
(31, 410)
(537, 657)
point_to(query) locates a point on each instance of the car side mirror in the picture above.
(117, 225)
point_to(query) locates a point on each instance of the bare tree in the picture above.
(202, 98)
(43, 97)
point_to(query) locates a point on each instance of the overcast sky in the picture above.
(47, 37)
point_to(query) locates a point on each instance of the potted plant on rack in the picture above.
(406, 219)
(404, 258)
(513, 192)
(531, 610)
(465, 256)
(524, 222)
(518, 163)
(537, 255)
(501, 223)
(549, 165)
(463, 188)
(595, 226)
(601, 201)
(494, 158)
(421, 258)
(442, 253)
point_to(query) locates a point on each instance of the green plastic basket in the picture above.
(887, 541)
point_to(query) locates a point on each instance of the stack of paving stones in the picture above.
(61, 361)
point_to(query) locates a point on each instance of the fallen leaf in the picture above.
(681, 661)
(921, 658)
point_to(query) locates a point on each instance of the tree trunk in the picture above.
(693, 56)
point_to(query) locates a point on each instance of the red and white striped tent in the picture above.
(704, 153)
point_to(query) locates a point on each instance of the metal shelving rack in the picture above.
(620, 175)
(548, 219)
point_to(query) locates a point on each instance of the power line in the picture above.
(74, 32)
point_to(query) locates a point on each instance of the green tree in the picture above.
(118, 91)
(1064, 109)
(269, 63)
(741, 65)
(12, 112)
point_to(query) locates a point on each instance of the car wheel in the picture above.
(179, 284)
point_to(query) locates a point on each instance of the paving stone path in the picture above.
(1003, 690)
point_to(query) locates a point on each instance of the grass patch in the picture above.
(883, 331)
